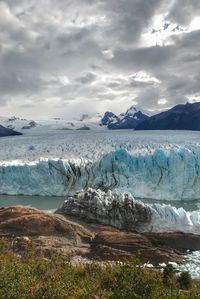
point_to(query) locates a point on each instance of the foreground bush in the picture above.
(35, 277)
(185, 280)
(169, 278)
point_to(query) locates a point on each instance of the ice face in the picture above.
(162, 174)
(122, 212)
(146, 164)
(169, 218)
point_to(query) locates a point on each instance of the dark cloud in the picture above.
(70, 57)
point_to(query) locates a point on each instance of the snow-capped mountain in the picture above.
(180, 117)
(128, 120)
(93, 121)
(18, 124)
(28, 127)
(108, 118)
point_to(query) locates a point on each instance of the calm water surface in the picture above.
(46, 203)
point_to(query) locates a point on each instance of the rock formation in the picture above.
(26, 228)
(52, 233)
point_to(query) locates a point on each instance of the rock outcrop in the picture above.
(112, 245)
(52, 233)
(35, 222)
(175, 240)
(48, 231)
(150, 247)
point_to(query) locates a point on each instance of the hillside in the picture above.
(180, 117)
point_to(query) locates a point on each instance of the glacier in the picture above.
(146, 165)
(161, 174)
(123, 212)
(169, 218)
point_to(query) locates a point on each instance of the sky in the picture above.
(63, 58)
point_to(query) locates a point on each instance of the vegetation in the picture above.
(185, 280)
(169, 278)
(35, 277)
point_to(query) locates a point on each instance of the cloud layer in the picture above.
(67, 57)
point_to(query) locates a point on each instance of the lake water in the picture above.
(45, 203)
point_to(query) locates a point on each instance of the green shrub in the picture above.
(185, 280)
(169, 275)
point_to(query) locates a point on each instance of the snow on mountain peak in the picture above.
(128, 120)
(131, 110)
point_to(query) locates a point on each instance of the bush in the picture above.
(169, 276)
(185, 280)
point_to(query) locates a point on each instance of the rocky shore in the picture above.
(53, 233)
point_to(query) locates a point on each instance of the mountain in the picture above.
(128, 120)
(31, 127)
(7, 132)
(180, 117)
(108, 118)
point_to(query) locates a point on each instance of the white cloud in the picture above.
(162, 102)
(144, 77)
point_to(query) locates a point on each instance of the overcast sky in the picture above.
(68, 57)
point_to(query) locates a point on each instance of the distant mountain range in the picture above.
(128, 120)
(180, 117)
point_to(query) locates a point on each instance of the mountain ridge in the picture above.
(180, 117)
(128, 120)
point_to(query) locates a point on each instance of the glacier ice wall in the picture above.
(169, 218)
(125, 213)
(172, 174)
